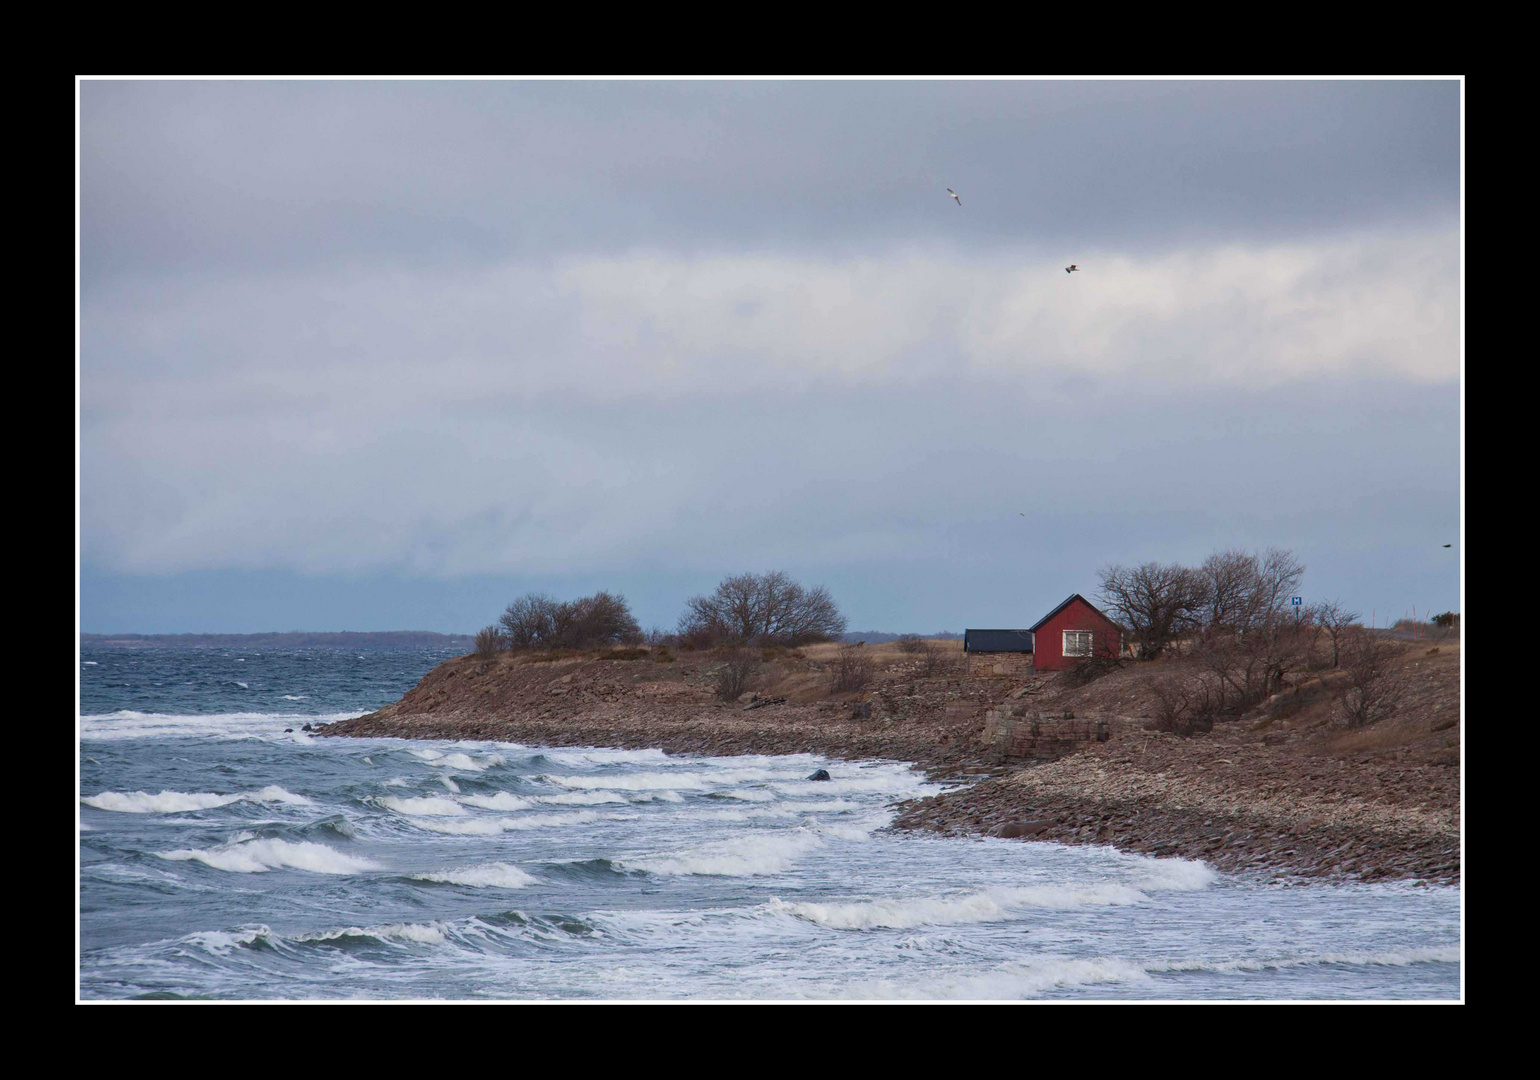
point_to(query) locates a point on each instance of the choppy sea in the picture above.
(223, 856)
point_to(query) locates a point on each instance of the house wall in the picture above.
(1048, 641)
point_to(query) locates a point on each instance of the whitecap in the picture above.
(256, 856)
(429, 805)
(488, 875)
(178, 802)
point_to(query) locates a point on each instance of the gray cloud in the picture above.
(641, 334)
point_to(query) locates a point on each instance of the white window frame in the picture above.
(1090, 643)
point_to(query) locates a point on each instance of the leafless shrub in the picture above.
(1377, 684)
(853, 670)
(911, 643)
(1334, 619)
(1091, 668)
(489, 641)
(937, 660)
(1186, 706)
(736, 674)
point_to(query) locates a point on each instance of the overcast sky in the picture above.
(385, 355)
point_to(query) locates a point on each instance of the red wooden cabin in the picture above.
(1071, 632)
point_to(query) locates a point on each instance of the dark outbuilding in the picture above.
(988, 641)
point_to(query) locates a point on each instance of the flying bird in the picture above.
(954, 195)
(1449, 545)
(1071, 268)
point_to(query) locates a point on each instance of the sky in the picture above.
(375, 355)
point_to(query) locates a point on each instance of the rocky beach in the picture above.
(1287, 791)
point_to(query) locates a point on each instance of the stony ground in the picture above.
(1289, 790)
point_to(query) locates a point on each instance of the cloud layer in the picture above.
(646, 333)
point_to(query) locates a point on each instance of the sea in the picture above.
(227, 854)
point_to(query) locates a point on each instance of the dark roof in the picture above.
(997, 641)
(1069, 600)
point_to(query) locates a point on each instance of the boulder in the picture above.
(821, 774)
(1013, 829)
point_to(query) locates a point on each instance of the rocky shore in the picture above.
(1287, 792)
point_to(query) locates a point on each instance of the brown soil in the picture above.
(1288, 789)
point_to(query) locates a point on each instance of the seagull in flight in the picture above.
(1449, 545)
(1071, 268)
(954, 195)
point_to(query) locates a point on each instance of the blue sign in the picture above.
(1297, 600)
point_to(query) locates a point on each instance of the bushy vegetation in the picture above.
(489, 641)
(536, 621)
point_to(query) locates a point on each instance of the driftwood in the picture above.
(760, 703)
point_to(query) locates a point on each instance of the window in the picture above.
(1077, 643)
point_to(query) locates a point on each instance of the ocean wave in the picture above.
(500, 800)
(458, 760)
(256, 856)
(178, 802)
(484, 826)
(1449, 954)
(422, 806)
(1014, 980)
(131, 724)
(741, 856)
(989, 905)
(433, 933)
(488, 875)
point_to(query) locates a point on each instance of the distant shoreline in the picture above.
(299, 639)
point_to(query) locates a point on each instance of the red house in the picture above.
(1071, 632)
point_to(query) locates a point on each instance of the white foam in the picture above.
(740, 856)
(391, 933)
(178, 802)
(223, 942)
(425, 806)
(457, 760)
(167, 802)
(749, 795)
(253, 856)
(489, 875)
(483, 826)
(1404, 958)
(989, 905)
(893, 914)
(502, 800)
(449, 782)
(1015, 980)
(296, 697)
(589, 798)
(672, 781)
(130, 724)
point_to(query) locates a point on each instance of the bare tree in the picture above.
(764, 609)
(1157, 602)
(1334, 619)
(1378, 682)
